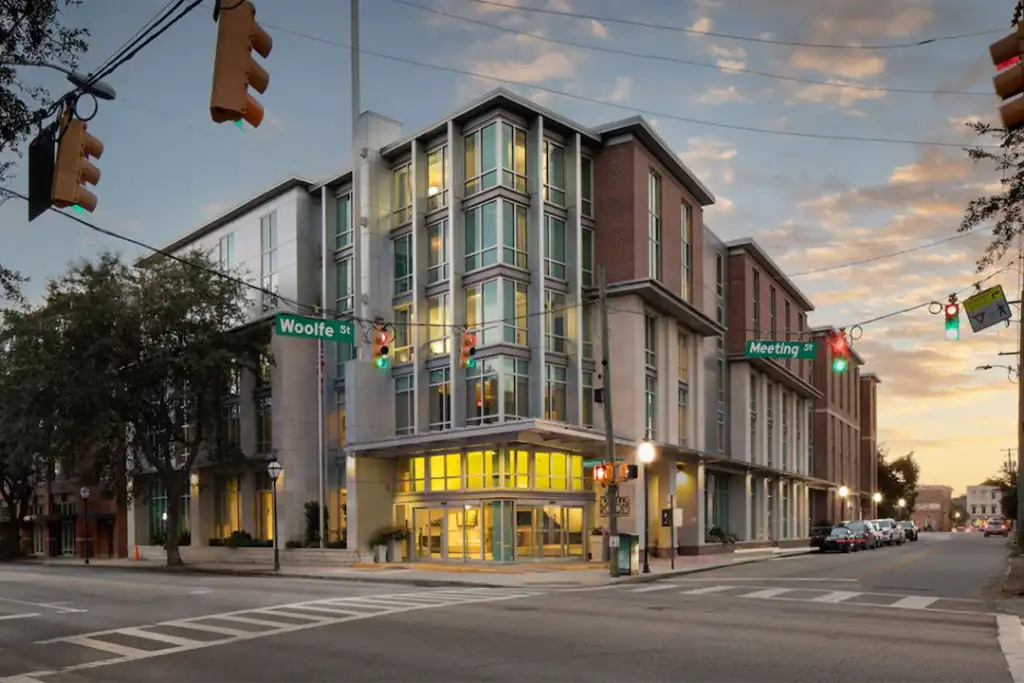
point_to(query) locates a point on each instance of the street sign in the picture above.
(592, 462)
(766, 348)
(987, 308)
(315, 328)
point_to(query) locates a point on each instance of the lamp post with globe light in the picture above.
(877, 498)
(274, 469)
(646, 454)
(901, 503)
(84, 492)
(843, 493)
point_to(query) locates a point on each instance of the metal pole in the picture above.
(1020, 434)
(85, 524)
(609, 433)
(277, 555)
(672, 530)
(320, 361)
(647, 524)
(321, 370)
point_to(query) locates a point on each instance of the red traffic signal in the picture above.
(840, 351)
(602, 474)
(381, 360)
(1009, 82)
(952, 310)
(468, 349)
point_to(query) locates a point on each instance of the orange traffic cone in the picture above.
(137, 556)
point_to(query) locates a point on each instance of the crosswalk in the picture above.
(813, 595)
(114, 646)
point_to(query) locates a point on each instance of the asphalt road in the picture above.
(821, 618)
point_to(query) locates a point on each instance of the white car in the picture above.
(892, 533)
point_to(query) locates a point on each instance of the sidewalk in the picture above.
(523, 575)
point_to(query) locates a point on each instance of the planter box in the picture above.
(295, 557)
(598, 549)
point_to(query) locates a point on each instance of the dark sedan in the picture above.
(910, 529)
(839, 538)
(863, 534)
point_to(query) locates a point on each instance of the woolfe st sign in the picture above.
(767, 348)
(315, 328)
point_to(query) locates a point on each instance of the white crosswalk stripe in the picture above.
(154, 640)
(805, 593)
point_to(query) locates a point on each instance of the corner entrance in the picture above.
(498, 531)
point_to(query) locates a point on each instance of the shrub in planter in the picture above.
(292, 545)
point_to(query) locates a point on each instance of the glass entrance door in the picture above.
(427, 526)
(67, 538)
(559, 531)
(499, 533)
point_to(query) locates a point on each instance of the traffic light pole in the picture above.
(1020, 430)
(609, 433)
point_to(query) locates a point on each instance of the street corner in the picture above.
(735, 560)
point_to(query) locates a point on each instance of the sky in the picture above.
(763, 143)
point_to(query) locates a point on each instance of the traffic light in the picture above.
(627, 472)
(41, 154)
(1009, 81)
(840, 352)
(601, 474)
(952, 321)
(468, 349)
(381, 358)
(234, 69)
(72, 168)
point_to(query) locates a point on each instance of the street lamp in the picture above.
(902, 503)
(99, 89)
(877, 497)
(646, 454)
(84, 492)
(843, 492)
(274, 469)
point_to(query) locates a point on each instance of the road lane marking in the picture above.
(707, 589)
(104, 646)
(914, 602)
(835, 596)
(22, 679)
(387, 605)
(8, 617)
(655, 587)
(1011, 642)
(769, 578)
(59, 607)
(767, 593)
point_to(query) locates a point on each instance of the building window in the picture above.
(483, 470)
(650, 342)
(720, 275)
(798, 455)
(650, 407)
(770, 423)
(228, 501)
(437, 252)
(654, 226)
(437, 179)
(587, 186)
(554, 392)
(587, 257)
(684, 352)
(785, 432)
(438, 325)
(268, 260)
(516, 381)
(483, 312)
(440, 399)
(513, 157)
(401, 196)
(757, 305)
(771, 313)
(720, 378)
(514, 231)
(554, 327)
(446, 472)
(230, 423)
(226, 252)
(687, 252)
(401, 345)
(482, 392)
(482, 236)
(264, 425)
(587, 331)
(554, 252)
(683, 402)
(554, 173)
(405, 411)
(345, 301)
(264, 507)
(514, 312)
(753, 419)
(481, 159)
(403, 263)
(787, 323)
(720, 421)
(343, 229)
(587, 407)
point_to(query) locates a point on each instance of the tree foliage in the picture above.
(1006, 480)
(1002, 210)
(139, 363)
(898, 478)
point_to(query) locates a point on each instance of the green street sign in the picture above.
(592, 462)
(766, 348)
(315, 328)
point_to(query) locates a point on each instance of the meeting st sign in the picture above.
(287, 325)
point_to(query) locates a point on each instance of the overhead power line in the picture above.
(688, 62)
(626, 107)
(730, 36)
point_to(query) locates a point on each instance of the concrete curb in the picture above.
(661, 576)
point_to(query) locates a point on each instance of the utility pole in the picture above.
(1020, 431)
(609, 433)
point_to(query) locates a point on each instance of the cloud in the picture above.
(718, 96)
(702, 25)
(838, 63)
(728, 58)
(711, 159)
(834, 94)
(598, 30)
(521, 58)
(623, 89)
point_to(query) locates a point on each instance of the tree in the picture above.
(1006, 480)
(1001, 210)
(155, 351)
(30, 31)
(898, 479)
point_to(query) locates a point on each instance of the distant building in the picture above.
(934, 506)
(984, 501)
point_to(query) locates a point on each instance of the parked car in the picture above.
(910, 529)
(892, 533)
(997, 529)
(884, 529)
(864, 534)
(899, 535)
(819, 534)
(839, 538)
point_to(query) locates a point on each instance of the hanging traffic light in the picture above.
(1009, 81)
(601, 474)
(72, 169)
(381, 357)
(840, 352)
(468, 349)
(234, 69)
(952, 321)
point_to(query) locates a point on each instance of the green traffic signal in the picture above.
(839, 365)
(953, 329)
(471, 362)
(381, 363)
